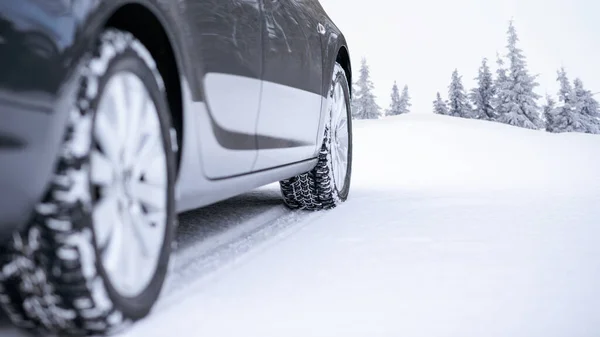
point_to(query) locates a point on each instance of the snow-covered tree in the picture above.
(521, 108)
(364, 105)
(394, 108)
(482, 95)
(565, 117)
(587, 106)
(439, 106)
(405, 101)
(548, 109)
(500, 99)
(458, 104)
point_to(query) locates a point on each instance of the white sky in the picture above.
(420, 42)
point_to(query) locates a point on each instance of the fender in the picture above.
(166, 12)
(333, 41)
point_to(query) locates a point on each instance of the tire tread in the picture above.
(315, 190)
(48, 271)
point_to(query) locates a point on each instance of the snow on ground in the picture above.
(453, 228)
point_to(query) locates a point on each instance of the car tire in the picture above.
(324, 187)
(55, 274)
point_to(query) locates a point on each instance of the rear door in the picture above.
(291, 99)
(227, 51)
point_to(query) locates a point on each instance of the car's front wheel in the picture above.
(328, 184)
(95, 255)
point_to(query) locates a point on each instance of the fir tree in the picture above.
(458, 104)
(587, 106)
(482, 96)
(548, 109)
(565, 117)
(395, 108)
(439, 106)
(405, 101)
(364, 104)
(521, 106)
(500, 99)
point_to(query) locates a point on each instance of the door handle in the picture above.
(321, 29)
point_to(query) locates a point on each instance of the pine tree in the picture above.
(439, 106)
(457, 98)
(565, 117)
(521, 106)
(395, 107)
(405, 101)
(364, 104)
(548, 109)
(500, 99)
(587, 106)
(482, 96)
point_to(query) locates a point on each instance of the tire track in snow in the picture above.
(214, 239)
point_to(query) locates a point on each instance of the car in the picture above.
(118, 115)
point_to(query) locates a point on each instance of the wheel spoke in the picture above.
(137, 97)
(140, 228)
(136, 118)
(340, 176)
(148, 227)
(342, 127)
(151, 149)
(149, 195)
(107, 137)
(342, 154)
(105, 217)
(117, 92)
(150, 126)
(155, 172)
(334, 107)
(102, 169)
(339, 101)
(341, 111)
(154, 217)
(131, 262)
(342, 136)
(114, 249)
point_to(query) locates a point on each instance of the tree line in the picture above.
(364, 105)
(510, 97)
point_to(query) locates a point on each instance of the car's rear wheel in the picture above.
(328, 184)
(95, 255)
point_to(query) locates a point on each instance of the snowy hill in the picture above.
(432, 151)
(454, 227)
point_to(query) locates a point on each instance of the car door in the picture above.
(291, 97)
(227, 54)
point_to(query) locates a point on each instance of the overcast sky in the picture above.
(420, 42)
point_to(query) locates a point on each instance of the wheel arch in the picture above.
(150, 29)
(343, 58)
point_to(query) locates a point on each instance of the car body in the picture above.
(119, 114)
(229, 68)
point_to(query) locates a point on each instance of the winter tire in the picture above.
(328, 184)
(95, 255)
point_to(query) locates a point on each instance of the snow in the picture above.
(454, 227)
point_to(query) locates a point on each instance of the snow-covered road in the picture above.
(453, 228)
